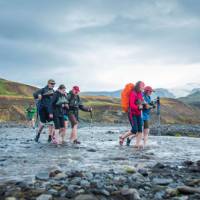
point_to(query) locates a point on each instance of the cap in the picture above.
(76, 88)
(148, 88)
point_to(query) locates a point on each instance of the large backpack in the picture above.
(125, 95)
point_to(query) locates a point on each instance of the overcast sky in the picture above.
(100, 44)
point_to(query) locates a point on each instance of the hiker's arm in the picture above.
(133, 106)
(85, 109)
(37, 93)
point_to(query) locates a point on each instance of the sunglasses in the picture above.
(52, 83)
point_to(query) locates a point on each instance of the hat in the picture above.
(62, 86)
(51, 81)
(148, 88)
(76, 88)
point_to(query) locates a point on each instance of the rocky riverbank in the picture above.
(162, 181)
(176, 130)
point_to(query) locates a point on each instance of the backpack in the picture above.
(125, 95)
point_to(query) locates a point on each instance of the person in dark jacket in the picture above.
(43, 97)
(75, 104)
(58, 104)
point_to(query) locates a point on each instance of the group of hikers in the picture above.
(136, 101)
(57, 108)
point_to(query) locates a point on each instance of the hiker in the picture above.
(75, 104)
(58, 103)
(148, 106)
(135, 114)
(30, 114)
(66, 120)
(44, 97)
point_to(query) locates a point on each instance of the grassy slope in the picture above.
(105, 110)
(14, 97)
(10, 88)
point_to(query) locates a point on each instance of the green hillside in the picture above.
(10, 88)
(15, 97)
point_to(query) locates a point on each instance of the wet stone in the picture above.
(44, 197)
(85, 184)
(42, 176)
(188, 190)
(144, 172)
(86, 197)
(162, 181)
(131, 194)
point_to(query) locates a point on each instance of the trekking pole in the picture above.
(158, 114)
(91, 121)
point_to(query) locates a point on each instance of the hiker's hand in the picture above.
(51, 116)
(39, 96)
(67, 106)
(140, 107)
(147, 106)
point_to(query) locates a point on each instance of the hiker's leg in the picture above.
(74, 124)
(62, 129)
(128, 133)
(139, 128)
(138, 140)
(64, 132)
(56, 136)
(51, 130)
(33, 123)
(146, 131)
(41, 126)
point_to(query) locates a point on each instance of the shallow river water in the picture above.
(22, 158)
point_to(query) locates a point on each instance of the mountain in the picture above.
(115, 94)
(192, 99)
(161, 92)
(195, 90)
(10, 88)
(184, 90)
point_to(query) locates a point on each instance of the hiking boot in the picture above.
(37, 138)
(76, 142)
(49, 138)
(128, 142)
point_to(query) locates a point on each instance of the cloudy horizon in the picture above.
(100, 44)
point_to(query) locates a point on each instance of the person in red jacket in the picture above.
(135, 114)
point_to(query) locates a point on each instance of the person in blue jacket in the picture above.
(146, 113)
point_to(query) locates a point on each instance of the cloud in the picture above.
(100, 44)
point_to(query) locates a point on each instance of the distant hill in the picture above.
(184, 90)
(115, 94)
(10, 88)
(192, 99)
(195, 90)
(161, 92)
